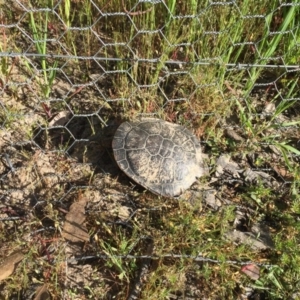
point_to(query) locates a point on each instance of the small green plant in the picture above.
(39, 24)
(271, 282)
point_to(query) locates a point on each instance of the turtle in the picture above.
(163, 157)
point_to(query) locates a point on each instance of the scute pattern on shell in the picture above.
(162, 157)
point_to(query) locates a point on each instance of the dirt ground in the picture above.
(61, 191)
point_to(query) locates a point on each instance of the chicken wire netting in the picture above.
(72, 71)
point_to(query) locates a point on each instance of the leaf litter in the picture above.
(9, 265)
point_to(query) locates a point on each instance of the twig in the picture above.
(197, 258)
(145, 264)
(9, 163)
(136, 13)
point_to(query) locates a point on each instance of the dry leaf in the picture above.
(42, 293)
(9, 265)
(268, 110)
(232, 134)
(283, 172)
(224, 163)
(74, 229)
(251, 271)
(211, 200)
(255, 241)
(60, 119)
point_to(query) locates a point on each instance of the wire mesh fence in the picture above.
(71, 71)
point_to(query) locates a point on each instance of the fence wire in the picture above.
(68, 72)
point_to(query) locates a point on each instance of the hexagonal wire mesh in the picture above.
(70, 72)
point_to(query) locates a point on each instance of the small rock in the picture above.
(225, 165)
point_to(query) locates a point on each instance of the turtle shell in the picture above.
(163, 157)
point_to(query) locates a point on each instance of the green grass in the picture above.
(187, 81)
(39, 27)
